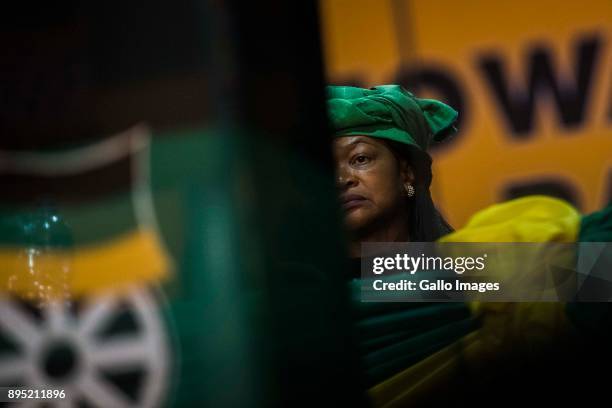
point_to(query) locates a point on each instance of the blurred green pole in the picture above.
(265, 242)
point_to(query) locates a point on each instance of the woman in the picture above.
(383, 175)
(415, 353)
(383, 168)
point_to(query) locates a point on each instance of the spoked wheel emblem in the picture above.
(105, 351)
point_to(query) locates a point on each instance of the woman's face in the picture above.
(371, 181)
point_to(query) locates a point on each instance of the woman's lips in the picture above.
(352, 201)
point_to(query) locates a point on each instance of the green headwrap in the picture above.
(389, 112)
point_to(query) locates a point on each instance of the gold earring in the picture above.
(409, 190)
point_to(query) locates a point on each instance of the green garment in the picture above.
(389, 112)
(594, 319)
(396, 335)
(597, 227)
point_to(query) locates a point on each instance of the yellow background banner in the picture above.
(531, 79)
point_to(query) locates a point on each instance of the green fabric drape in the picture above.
(597, 227)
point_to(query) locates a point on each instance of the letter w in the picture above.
(569, 95)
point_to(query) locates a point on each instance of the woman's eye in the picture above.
(361, 160)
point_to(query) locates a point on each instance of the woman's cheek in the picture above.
(390, 199)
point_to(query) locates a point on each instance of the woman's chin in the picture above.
(356, 220)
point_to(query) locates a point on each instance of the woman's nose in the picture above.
(344, 179)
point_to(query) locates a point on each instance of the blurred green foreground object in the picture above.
(207, 265)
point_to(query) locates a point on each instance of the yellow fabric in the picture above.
(506, 327)
(527, 219)
(134, 258)
(533, 219)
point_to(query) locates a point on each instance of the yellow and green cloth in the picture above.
(81, 250)
(501, 328)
